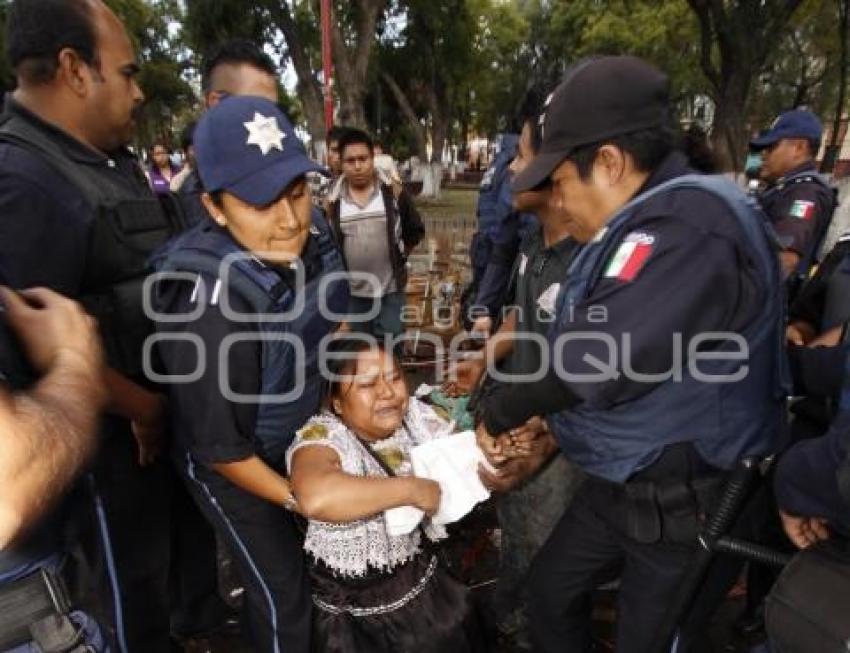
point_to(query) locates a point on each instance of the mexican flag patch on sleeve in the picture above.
(803, 209)
(630, 257)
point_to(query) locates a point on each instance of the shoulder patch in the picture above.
(802, 209)
(630, 257)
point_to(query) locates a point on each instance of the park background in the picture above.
(439, 80)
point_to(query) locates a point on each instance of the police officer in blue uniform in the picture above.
(494, 246)
(812, 484)
(798, 201)
(77, 216)
(817, 329)
(245, 301)
(666, 352)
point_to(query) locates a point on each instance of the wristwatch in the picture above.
(290, 502)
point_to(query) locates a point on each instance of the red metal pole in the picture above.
(327, 63)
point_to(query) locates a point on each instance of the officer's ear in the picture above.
(610, 165)
(213, 98)
(74, 71)
(214, 210)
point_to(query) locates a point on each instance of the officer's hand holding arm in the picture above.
(490, 446)
(48, 433)
(804, 531)
(327, 493)
(788, 260)
(829, 338)
(525, 440)
(146, 411)
(483, 326)
(256, 477)
(516, 470)
(800, 333)
(465, 375)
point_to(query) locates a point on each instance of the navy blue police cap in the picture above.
(798, 123)
(599, 98)
(246, 146)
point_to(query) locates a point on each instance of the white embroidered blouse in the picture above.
(350, 549)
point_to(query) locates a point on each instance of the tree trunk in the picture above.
(309, 91)
(420, 134)
(833, 150)
(736, 37)
(352, 62)
(729, 136)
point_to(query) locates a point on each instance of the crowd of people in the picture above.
(203, 362)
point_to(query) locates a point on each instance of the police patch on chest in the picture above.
(803, 209)
(630, 257)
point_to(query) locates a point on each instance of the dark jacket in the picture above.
(400, 209)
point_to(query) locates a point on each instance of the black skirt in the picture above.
(418, 608)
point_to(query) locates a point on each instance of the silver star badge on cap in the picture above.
(265, 133)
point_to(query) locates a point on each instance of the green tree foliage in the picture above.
(154, 27)
(426, 72)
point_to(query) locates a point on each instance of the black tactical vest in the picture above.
(126, 229)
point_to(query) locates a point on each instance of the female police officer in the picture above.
(239, 321)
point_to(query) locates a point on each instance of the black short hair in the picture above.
(336, 132)
(531, 110)
(647, 147)
(235, 52)
(697, 148)
(38, 30)
(353, 136)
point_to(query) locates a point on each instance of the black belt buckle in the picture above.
(27, 601)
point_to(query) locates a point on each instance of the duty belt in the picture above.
(36, 608)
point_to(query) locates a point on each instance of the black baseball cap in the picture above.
(599, 98)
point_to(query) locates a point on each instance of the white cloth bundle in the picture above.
(452, 462)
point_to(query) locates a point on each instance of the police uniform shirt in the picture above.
(824, 303)
(511, 228)
(45, 223)
(538, 274)
(45, 227)
(686, 274)
(798, 209)
(210, 428)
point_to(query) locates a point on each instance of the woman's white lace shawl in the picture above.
(351, 548)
